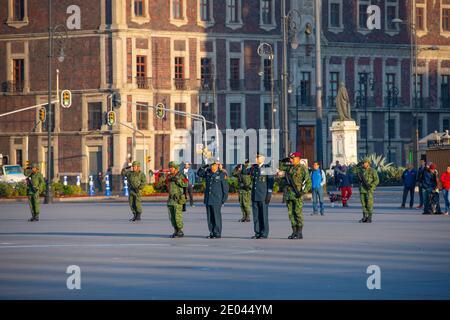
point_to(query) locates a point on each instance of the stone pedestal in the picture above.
(344, 139)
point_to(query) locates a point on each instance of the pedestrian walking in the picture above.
(318, 181)
(216, 193)
(409, 179)
(445, 180)
(190, 175)
(345, 178)
(420, 177)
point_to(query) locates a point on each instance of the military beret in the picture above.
(136, 164)
(173, 164)
(295, 155)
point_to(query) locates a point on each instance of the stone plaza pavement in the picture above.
(123, 260)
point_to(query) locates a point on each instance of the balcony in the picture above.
(12, 86)
(144, 82)
(206, 84)
(305, 101)
(364, 102)
(181, 84)
(267, 85)
(391, 102)
(331, 102)
(237, 84)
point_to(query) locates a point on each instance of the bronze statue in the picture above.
(343, 103)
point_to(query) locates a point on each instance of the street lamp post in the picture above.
(392, 102)
(290, 30)
(265, 50)
(60, 32)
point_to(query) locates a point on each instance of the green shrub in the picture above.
(6, 190)
(200, 186)
(60, 189)
(233, 184)
(148, 190)
(20, 189)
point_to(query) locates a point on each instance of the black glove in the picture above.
(267, 200)
(286, 160)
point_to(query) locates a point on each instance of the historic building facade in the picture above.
(375, 66)
(194, 56)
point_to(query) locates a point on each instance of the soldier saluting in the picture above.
(262, 184)
(216, 193)
(35, 185)
(244, 191)
(297, 182)
(136, 182)
(368, 181)
(176, 183)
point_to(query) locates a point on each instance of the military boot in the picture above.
(138, 217)
(363, 220)
(299, 233)
(180, 233)
(174, 234)
(294, 232)
(369, 219)
(134, 217)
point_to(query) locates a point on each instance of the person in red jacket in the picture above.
(445, 179)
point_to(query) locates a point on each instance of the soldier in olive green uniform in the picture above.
(176, 182)
(245, 190)
(297, 183)
(136, 182)
(35, 184)
(368, 181)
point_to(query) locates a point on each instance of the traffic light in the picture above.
(116, 101)
(111, 118)
(42, 114)
(27, 164)
(66, 99)
(160, 112)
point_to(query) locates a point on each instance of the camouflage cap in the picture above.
(136, 164)
(35, 165)
(366, 159)
(173, 164)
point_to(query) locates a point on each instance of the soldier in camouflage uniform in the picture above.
(176, 182)
(245, 190)
(368, 181)
(35, 184)
(297, 182)
(136, 182)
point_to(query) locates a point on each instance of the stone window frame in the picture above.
(421, 33)
(10, 20)
(175, 21)
(266, 99)
(211, 20)
(92, 98)
(441, 71)
(180, 98)
(10, 57)
(231, 24)
(233, 55)
(149, 61)
(396, 117)
(362, 115)
(391, 3)
(273, 24)
(442, 117)
(441, 11)
(176, 53)
(236, 98)
(141, 19)
(363, 31)
(341, 22)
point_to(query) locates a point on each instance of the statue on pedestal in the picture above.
(343, 104)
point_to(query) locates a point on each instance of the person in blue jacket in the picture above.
(190, 175)
(409, 178)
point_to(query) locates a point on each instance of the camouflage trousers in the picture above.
(245, 202)
(176, 216)
(295, 212)
(367, 203)
(35, 205)
(134, 200)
